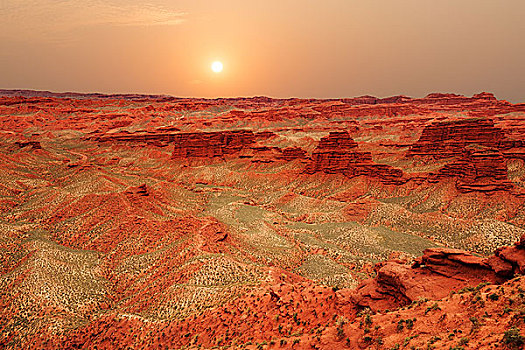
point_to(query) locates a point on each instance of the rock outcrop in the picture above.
(449, 138)
(434, 275)
(157, 138)
(477, 145)
(479, 169)
(211, 144)
(337, 154)
(292, 153)
(142, 191)
(30, 144)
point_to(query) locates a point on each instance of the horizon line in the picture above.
(108, 95)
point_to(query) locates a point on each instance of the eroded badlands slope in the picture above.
(144, 220)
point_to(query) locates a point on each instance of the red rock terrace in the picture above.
(337, 153)
(445, 139)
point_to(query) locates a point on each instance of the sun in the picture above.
(216, 66)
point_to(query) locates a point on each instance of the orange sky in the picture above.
(281, 48)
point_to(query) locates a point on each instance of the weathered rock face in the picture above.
(211, 144)
(142, 191)
(159, 138)
(478, 169)
(480, 165)
(510, 260)
(292, 153)
(445, 139)
(336, 140)
(337, 154)
(487, 171)
(338, 161)
(438, 272)
(31, 144)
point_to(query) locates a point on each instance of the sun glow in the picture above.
(216, 66)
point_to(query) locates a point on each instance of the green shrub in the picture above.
(434, 339)
(432, 308)
(513, 338)
(493, 296)
(368, 320)
(410, 323)
(463, 341)
(340, 332)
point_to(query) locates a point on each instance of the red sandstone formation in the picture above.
(32, 144)
(445, 139)
(337, 153)
(292, 153)
(482, 170)
(336, 140)
(158, 139)
(211, 144)
(141, 190)
(438, 272)
(480, 149)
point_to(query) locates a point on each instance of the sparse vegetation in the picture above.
(493, 296)
(513, 339)
(434, 307)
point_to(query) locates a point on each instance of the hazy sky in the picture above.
(279, 48)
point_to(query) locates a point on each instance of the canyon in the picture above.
(148, 221)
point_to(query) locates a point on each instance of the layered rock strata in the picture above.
(434, 275)
(337, 153)
(449, 138)
(211, 144)
(478, 169)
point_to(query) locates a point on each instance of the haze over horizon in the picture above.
(281, 49)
